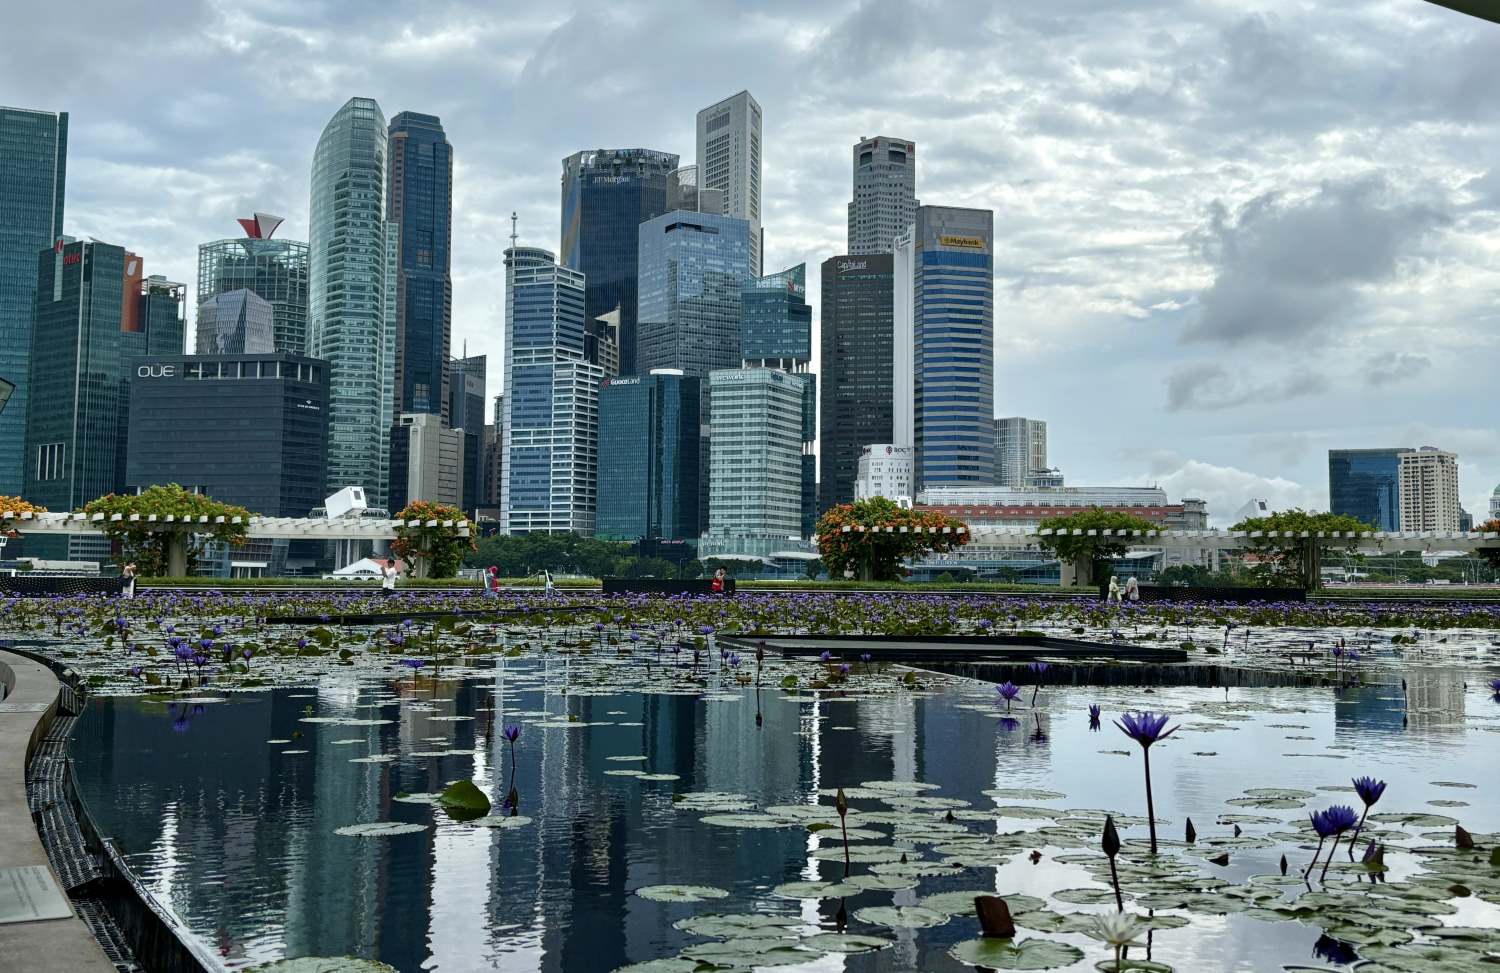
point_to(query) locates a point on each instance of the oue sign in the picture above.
(156, 371)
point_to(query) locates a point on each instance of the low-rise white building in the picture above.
(886, 470)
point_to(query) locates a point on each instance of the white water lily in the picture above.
(1119, 929)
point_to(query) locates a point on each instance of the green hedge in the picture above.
(594, 583)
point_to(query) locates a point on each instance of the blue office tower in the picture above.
(606, 195)
(419, 205)
(33, 169)
(692, 269)
(648, 458)
(945, 316)
(1366, 483)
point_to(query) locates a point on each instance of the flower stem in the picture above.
(1150, 804)
(1324, 874)
(1114, 877)
(1357, 829)
(1314, 861)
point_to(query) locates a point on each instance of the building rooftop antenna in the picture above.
(512, 230)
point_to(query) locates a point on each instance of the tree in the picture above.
(1491, 555)
(167, 549)
(1089, 554)
(870, 551)
(1291, 560)
(433, 551)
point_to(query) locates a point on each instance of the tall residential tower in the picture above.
(351, 310)
(33, 170)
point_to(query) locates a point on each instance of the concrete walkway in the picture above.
(28, 706)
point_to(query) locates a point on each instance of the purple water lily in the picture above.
(1008, 691)
(1330, 823)
(1146, 729)
(512, 733)
(1094, 716)
(826, 656)
(1495, 687)
(1038, 669)
(1369, 790)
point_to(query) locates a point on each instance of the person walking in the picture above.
(1114, 589)
(1132, 589)
(389, 572)
(492, 582)
(128, 573)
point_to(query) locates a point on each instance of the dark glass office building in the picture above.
(776, 320)
(466, 379)
(648, 458)
(1366, 483)
(250, 430)
(857, 368)
(419, 203)
(606, 195)
(33, 169)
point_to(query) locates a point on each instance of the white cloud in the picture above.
(1226, 488)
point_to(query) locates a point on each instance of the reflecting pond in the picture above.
(716, 799)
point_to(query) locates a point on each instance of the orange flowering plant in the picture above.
(441, 548)
(873, 553)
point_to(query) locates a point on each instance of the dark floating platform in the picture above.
(928, 649)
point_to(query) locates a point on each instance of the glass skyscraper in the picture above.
(351, 310)
(33, 170)
(692, 269)
(466, 379)
(648, 458)
(1366, 483)
(419, 205)
(944, 312)
(885, 193)
(776, 320)
(236, 323)
(606, 195)
(551, 422)
(274, 270)
(856, 375)
(94, 315)
(756, 472)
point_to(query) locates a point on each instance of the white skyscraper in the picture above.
(885, 193)
(903, 340)
(1020, 450)
(729, 160)
(1429, 489)
(351, 296)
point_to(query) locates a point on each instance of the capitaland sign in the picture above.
(847, 266)
(156, 371)
(968, 242)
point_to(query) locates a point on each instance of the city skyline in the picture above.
(1129, 226)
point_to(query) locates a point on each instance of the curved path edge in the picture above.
(28, 708)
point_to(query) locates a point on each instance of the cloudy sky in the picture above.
(1228, 236)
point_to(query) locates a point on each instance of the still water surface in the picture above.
(228, 815)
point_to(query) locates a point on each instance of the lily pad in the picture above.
(323, 964)
(380, 829)
(1007, 954)
(901, 916)
(831, 942)
(505, 822)
(680, 893)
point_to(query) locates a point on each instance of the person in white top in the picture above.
(547, 586)
(1132, 589)
(389, 572)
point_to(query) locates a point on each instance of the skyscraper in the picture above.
(756, 479)
(729, 159)
(776, 332)
(1366, 484)
(419, 205)
(856, 374)
(944, 326)
(1429, 489)
(94, 313)
(550, 433)
(351, 308)
(692, 268)
(236, 323)
(606, 195)
(885, 193)
(1020, 450)
(427, 461)
(648, 457)
(466, 380)
(33, 171)
(275, 270)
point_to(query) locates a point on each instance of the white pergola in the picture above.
(295, 528)
(1366, 541)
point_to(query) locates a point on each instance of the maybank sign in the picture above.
(967, 242)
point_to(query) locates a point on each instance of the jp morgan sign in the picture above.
(156, 371)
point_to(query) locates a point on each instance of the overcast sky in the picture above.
(1228, 237)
